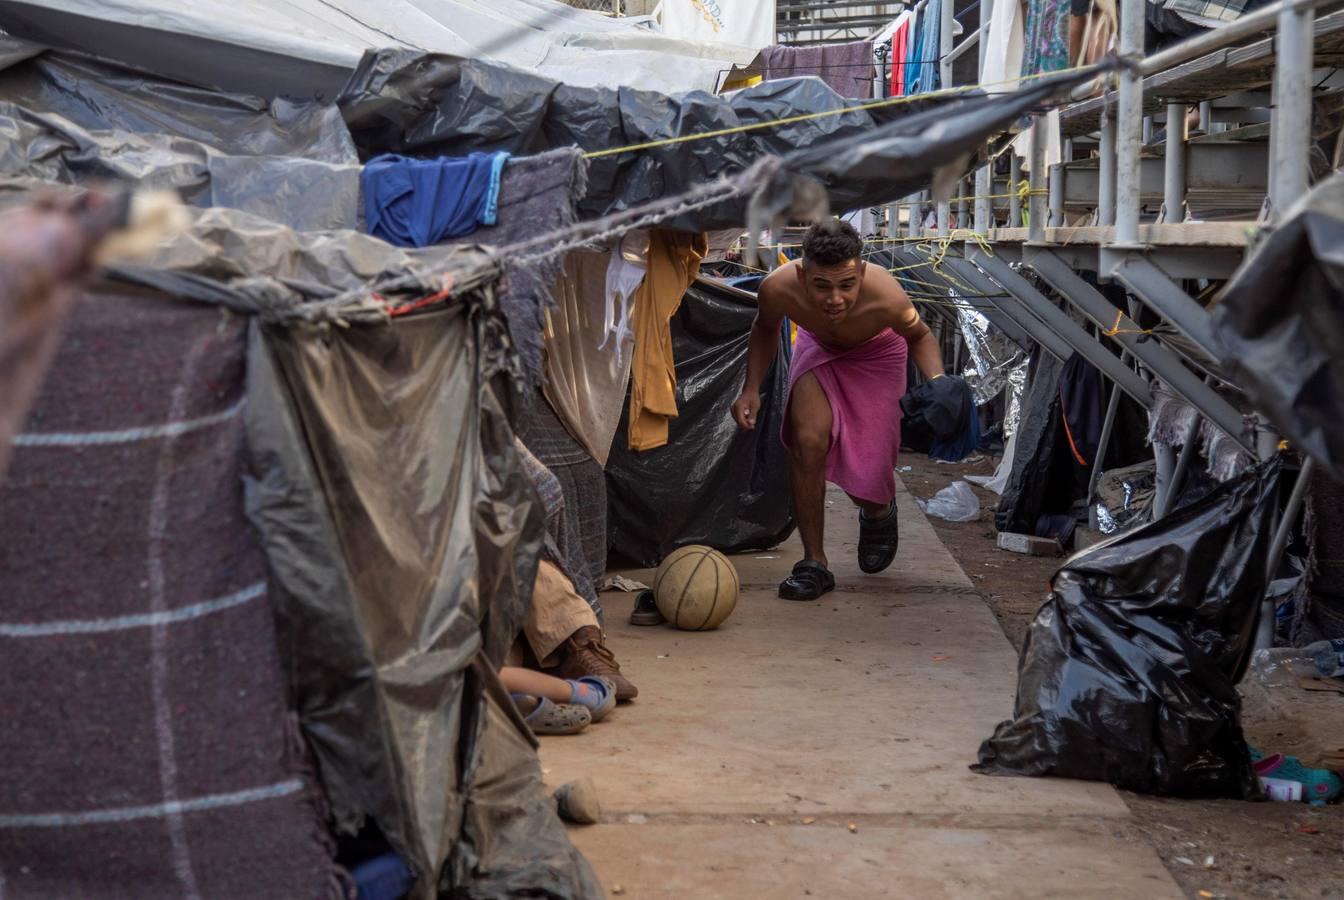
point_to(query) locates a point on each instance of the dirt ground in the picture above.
(1214, 848)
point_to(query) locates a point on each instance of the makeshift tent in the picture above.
(306, 48)
(713, 483)
(396, 537)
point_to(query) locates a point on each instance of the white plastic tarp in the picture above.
(750, 23)
(304, 47)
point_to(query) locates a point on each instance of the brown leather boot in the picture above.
(583, 653)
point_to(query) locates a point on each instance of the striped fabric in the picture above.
(148, 748)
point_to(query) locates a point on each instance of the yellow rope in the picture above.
(1116, 329)
(803, 117)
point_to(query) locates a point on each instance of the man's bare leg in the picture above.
(870, 509)
(810, 441)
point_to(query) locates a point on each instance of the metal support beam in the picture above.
(1056, 196)
(1182, 466)
(946, 24)
(1128, 123)
(1106, 167)
(1173, 182)
(1205, 115)
(1014, 201)
(1059, 322)
(1151, 285)
(961, 203)
(1011, 308)
(1290, 128)
(1161, 361)
(1036, 201)
(916, 216)
(1165, 458)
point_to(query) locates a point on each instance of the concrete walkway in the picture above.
(821, 749)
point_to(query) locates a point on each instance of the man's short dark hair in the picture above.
(831, 242)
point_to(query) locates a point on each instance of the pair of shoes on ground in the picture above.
(591, 698)
(878, 542)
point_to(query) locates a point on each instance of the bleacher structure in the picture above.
(1143, 200)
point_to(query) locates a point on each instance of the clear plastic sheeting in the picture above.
(1017, 386)
(954, 503)
(1125, 497)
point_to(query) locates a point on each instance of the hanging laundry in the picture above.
(900, 45)
(920, 73)
(1046, 37)
(674, 261)
(625, 273)
(847, 68)
(418, 202)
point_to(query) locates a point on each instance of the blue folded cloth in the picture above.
(384, 877)
(418, 202)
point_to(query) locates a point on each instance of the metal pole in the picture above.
(1014, 201)
(946, 23)
(1182, 466)
(1056, 196)
(1036, 201)
(961, 203)
(1147, 130)
(1128, 123)
(1264, 635)
(1173, 190)
(1165, 458)
(1290, 127)
(1106, 175)
(1205, 115)
(1106, 425)
(984, 206)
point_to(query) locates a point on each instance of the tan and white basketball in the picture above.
(696, 588)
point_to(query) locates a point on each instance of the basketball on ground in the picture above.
(696, 588)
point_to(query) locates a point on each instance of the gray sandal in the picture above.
(546, 717)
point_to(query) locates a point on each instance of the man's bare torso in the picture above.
(881, 304)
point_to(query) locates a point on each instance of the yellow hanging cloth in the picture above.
(674, 261)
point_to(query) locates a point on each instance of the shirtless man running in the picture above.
(843, 419)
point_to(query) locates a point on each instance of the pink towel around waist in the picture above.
(864, 385)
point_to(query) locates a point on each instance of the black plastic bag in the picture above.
(1128, 671)
(713, 483)
(1280, 328)
(940, 406)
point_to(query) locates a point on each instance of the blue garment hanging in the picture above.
(418, 202)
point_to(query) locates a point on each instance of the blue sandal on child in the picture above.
(596, 693)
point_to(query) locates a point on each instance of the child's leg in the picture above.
(539, 684)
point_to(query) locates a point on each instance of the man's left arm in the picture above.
(924, 349)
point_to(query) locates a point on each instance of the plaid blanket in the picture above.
(148, 748)
(1208, 13)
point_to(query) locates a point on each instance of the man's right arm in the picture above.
(762, 346)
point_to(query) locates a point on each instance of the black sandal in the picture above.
(878, 539)
(810, 579)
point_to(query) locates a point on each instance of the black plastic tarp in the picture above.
(1280, 327)
(713, 483)
(1128, 671)
(429, 104)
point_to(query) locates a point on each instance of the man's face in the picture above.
(833, 289)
